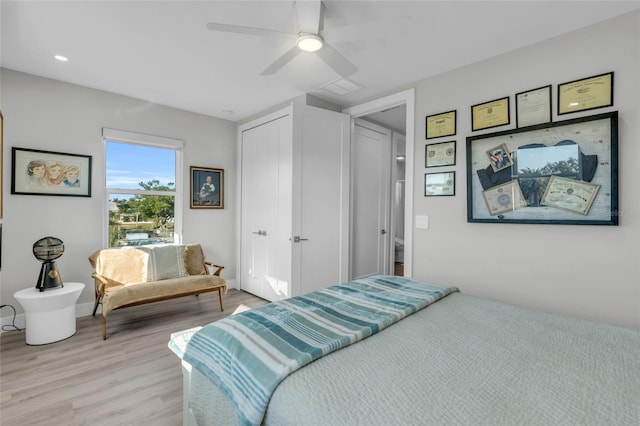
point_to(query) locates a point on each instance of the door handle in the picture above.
(297, 239)
(264, 233)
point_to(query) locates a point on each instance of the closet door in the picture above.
(320, 198)
(266, 194)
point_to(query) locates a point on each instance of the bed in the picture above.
(459, 360)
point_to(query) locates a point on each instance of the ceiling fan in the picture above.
(308, 39)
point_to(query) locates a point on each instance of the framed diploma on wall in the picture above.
(588, 93)
(490, 114)
(440, 154)
(440, 184)
(533, 107)
(564, 172)
(441, 125)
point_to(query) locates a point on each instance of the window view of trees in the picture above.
(142, 219)
(144, 212)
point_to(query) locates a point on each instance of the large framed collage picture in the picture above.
(564, 172)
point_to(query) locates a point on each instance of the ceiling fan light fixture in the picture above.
(309, 42)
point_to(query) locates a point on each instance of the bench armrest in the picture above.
(211, 266)
(101, 284)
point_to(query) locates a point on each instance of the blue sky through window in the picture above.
(129, 164)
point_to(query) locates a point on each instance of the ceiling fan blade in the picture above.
(240, 29)
(309, 16)
(282, 61)
(335, 60)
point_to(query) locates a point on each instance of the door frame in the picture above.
(406, 97)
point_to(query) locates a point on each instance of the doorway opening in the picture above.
(397, 113)
(394, 119)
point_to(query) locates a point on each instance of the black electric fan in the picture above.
(47, 250)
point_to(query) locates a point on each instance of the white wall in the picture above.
(54, 116)
(589, 272)
(583, 271)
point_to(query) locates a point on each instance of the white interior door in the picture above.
(266, 193)
(370, 206)
(321, 198)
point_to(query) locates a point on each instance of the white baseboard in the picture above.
(82, 310)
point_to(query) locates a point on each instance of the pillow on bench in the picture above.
(194, 260)
(165, 262)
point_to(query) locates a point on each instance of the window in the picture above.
(143, 189)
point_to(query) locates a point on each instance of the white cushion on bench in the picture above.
(164, 262)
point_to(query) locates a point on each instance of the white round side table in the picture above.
(50, 315)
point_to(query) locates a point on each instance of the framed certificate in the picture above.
(504, 198)
(533, 107)
(563, 172)
(440, 154)
(588, 93)
(440, 125)
(570, 194)
(439, 184)
(490, 114)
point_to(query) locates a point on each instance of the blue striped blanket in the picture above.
(248, 354)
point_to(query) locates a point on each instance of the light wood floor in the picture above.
(398, 269)
(132, 378)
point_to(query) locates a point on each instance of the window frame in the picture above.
(132, 138)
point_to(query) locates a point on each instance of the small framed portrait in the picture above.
(499, 157)
(206, 188)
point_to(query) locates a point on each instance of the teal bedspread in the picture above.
(247, 355)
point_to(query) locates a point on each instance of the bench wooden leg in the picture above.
(220, 297)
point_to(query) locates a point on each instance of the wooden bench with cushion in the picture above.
(131, 276)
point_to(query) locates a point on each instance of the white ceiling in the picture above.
(162, 52)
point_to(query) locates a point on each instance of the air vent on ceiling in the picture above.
(342, 86)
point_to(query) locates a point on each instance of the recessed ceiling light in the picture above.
(61, 58)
